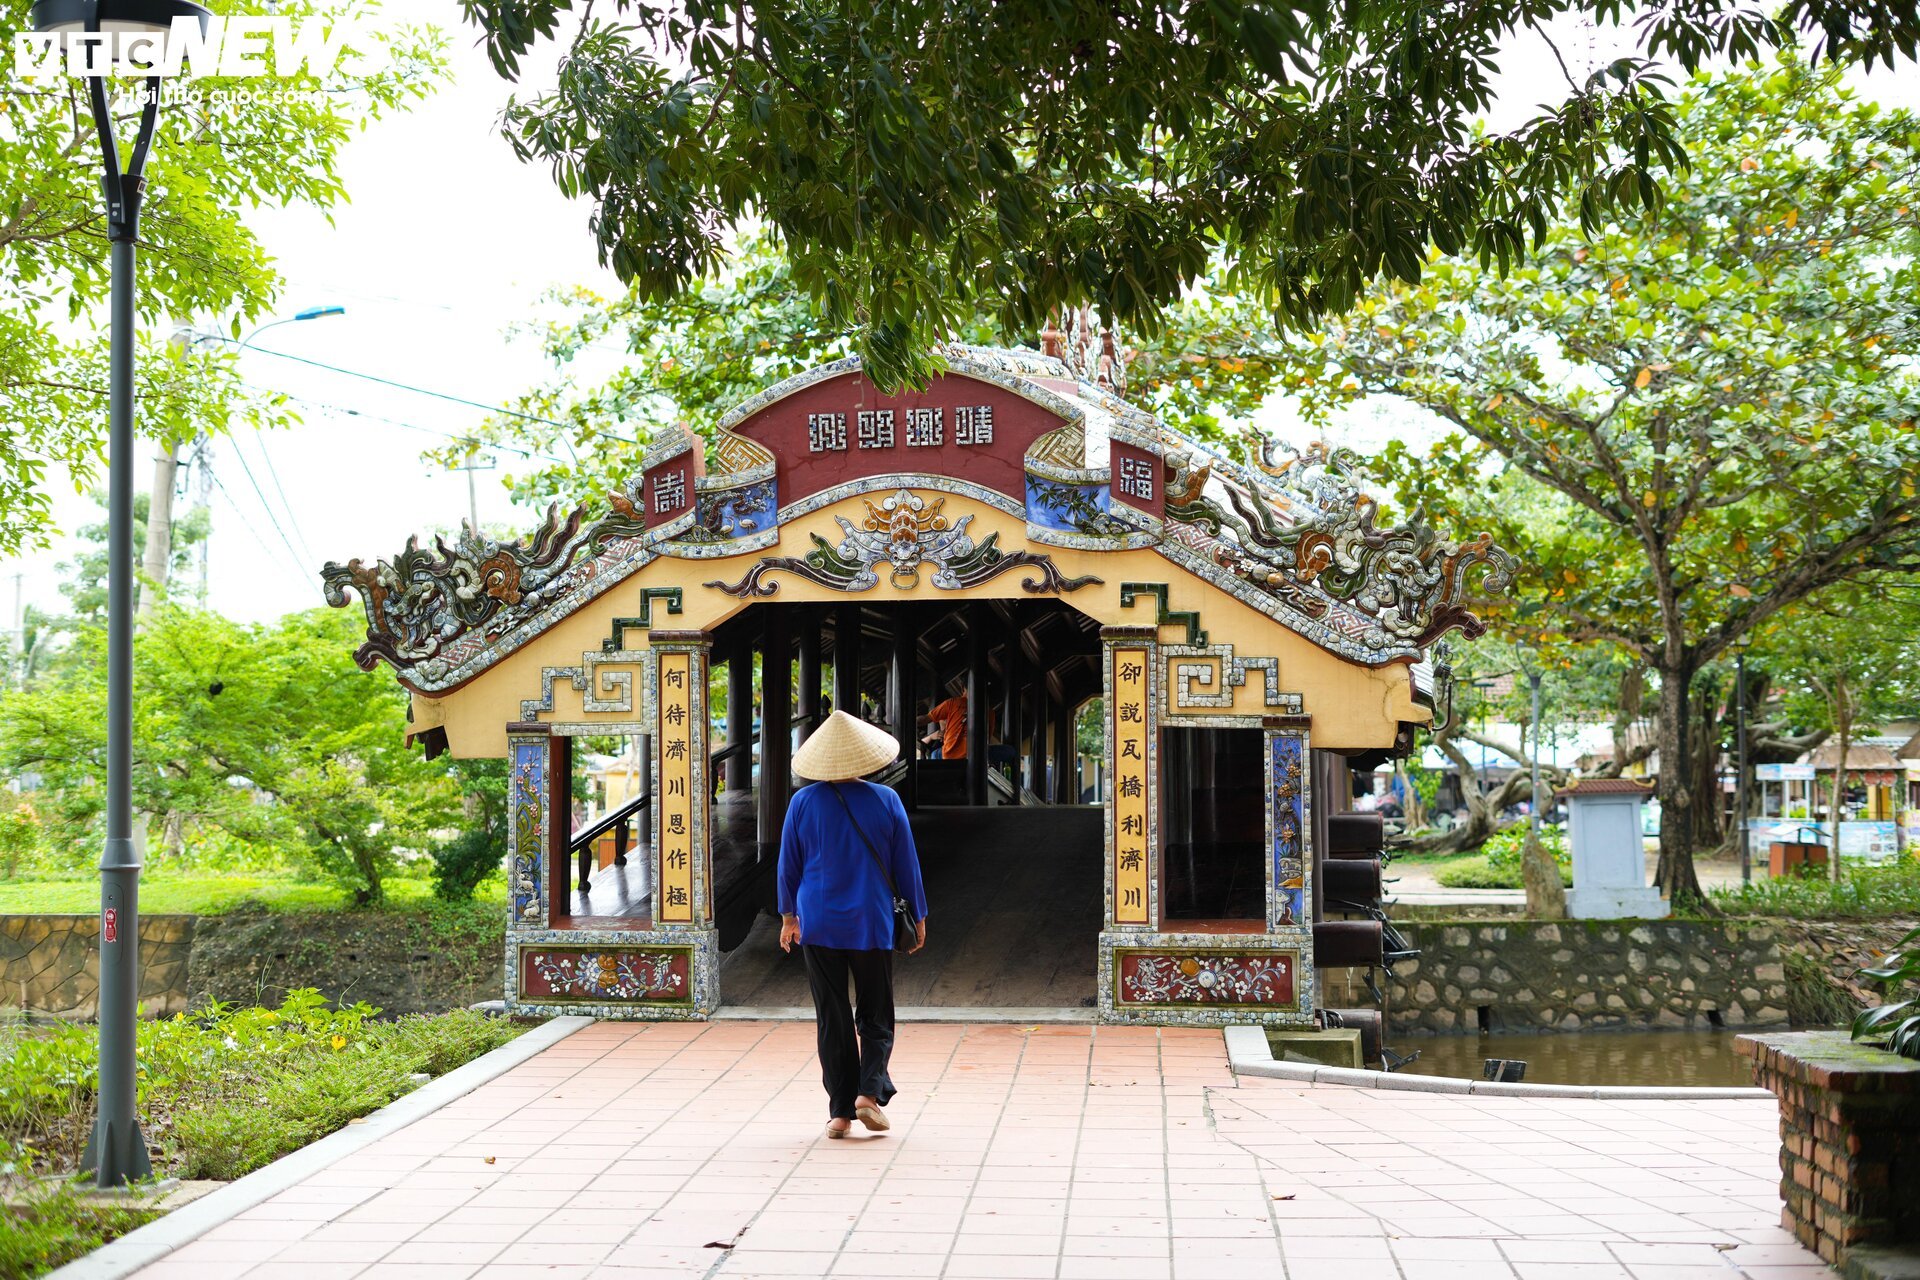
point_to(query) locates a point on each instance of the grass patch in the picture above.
(219, 1096)
(212, 894)
(1479, 871)
(1864, 893)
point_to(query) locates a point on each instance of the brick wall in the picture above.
(1849, 1139)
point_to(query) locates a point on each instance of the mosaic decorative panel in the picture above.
(526, 832)
(594, 974)
(1287, 811)
(1207, 978)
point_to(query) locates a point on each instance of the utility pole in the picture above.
(1740, 760)
(158, 560)
(203, 501)
(473, 496)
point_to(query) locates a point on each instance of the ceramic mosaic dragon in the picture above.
(425, 597)
(1299, 526)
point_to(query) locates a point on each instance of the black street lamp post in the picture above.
(116, 1152)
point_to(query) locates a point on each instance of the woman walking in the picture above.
(846, 855)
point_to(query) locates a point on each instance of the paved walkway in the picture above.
(635, 1151)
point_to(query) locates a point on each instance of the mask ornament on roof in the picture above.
(905, 533)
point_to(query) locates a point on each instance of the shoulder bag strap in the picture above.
(871, 851)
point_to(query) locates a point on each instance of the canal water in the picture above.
(1705, 1058)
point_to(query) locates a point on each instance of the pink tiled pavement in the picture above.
(636, 1151)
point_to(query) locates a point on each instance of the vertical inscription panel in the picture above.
(1130, 720)
(676, 797)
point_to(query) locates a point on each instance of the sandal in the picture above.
(838, 1133)
(874, 1118)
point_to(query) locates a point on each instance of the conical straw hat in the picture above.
(844, 748)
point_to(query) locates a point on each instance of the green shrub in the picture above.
(463, 863)
(1479, 872)
(1896, 1023)
(232, 1088)
(48, 1225)
(1503, 847)
(1863, 892)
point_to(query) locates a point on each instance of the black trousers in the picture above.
(849, 1068)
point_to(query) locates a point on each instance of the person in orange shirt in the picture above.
(951, 716)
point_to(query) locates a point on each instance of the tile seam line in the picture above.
(724, 1256)
(642, 1030)
(173, 1231)
(1073, 1160)
(981, 1170)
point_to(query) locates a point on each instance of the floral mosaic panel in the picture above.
(1287, 781)
(597, 974)
(526, 811)
(1263, 979)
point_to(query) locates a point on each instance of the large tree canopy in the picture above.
(212, 163)
(1717, 404)
(919, 155)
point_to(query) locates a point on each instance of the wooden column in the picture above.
(809, 673)
(977, 709)
(1066, 788)
(900, 697)
(739, 771)
(559, 826)
(1037, 738)
(1013, 670)
(846, 659)
(776, 728)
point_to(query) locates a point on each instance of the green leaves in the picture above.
(1896, 1023)
(915, 156)
(198, 258)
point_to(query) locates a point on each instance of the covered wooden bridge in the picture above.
(1019, 539)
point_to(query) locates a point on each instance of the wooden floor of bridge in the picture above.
(1013, 914)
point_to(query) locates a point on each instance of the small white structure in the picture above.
(1609, 862)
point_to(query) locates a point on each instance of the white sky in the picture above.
(447, 243)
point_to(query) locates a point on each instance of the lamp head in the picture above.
(315, 313)
(154, 18)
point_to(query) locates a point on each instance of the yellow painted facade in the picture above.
(1351, 707)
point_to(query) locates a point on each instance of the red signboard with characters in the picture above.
(1139, 479)
(110, 925)
(844, 429)
(669, 491)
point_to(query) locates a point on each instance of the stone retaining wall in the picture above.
(51, 964)
(1569, 975)
(398, 961)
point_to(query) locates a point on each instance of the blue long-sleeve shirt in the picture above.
(828, 878)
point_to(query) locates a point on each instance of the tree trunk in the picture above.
(1674, 874)
(1708, 828)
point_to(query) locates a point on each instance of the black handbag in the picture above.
(906, 933)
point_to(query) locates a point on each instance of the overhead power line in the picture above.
(423, 391)
(247, 524)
